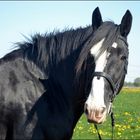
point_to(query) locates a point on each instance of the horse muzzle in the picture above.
(95, 115)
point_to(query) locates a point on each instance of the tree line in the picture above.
(136, 83)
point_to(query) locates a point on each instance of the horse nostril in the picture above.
(103, 110)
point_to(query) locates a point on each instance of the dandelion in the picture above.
(119, 133)
(117, 125)
(126, 113)
(128, 126)
(101, 132)
(138, 119)
(80, 128)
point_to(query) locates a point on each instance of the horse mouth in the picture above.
(96, 119)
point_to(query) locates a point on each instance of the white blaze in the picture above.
(96, 96)
(96, 48)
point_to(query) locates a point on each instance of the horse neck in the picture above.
(64, 102)
(61, 75)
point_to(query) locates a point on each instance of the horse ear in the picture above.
(96, 18)
(126, 23)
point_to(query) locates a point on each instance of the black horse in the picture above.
(81, 69)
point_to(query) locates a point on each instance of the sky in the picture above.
(25, 18)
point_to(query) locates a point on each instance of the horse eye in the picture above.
(123, 57)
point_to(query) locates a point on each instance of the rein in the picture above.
(112, 124)
(114, 89)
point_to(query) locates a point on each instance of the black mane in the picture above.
(49, 50)
(54, 47)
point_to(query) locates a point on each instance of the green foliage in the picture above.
(127, 119)
(137, 82)
(128, 84)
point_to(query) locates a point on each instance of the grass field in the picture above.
(126, 108)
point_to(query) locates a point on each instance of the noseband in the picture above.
(113, 87)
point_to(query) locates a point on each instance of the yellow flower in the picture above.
(126, 113)
(128, 126)
(80, 128)
(117, 125)
(119, 133)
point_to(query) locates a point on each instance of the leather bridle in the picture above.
(113, 87)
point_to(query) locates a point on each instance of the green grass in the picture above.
(126, 108)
